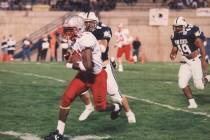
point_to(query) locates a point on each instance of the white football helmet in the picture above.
(180, 21)
(82, 14)
(179, 24)
(73, 26)
(91, 20)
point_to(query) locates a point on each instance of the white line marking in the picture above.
(23, 136)
(34, 75)
(87, 137)
(28, 136)
(168, 82)
(169, 107)
(131, 97)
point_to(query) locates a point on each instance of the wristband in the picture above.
(69, 65)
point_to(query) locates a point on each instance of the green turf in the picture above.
(29, 104)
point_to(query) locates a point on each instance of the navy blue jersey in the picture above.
(185, 41)
(103, 32)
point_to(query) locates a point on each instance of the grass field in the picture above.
(30, 93)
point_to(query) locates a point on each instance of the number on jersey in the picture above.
(184, 48)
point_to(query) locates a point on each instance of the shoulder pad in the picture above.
(107, 34)
(87, 40)
(196, 31)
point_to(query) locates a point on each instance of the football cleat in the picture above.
(115, 114)
(131, 117)
(192, 106)
(54, 136)
(206, 80)
(86, 113)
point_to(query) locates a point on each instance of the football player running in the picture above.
(103, 34)
(90, 74)
(189, 40)
(123, 39)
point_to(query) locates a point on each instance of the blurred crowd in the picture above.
(176, 4)
(83, 5)
(181, 4)
(93, 5)
(60, 5)
(16, 4)
(44, 49)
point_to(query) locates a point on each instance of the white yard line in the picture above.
(88, 137)
(28, 136)
(23, 136)
(34, 75)
(131, 97)
(168, 106)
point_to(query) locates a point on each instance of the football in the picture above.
(74, 57)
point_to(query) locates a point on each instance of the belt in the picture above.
(183, 62)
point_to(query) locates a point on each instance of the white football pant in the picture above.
(112, 87)
(190, 69)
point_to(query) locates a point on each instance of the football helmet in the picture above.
(73, 26)
(179, 24)
(91, 21)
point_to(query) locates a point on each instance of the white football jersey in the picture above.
(88, 40)
(123, 37)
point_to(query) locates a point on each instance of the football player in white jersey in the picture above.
(103, 34)
(189, 40)
(90, 74)
(124, 40)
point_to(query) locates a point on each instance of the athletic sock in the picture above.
(192, 101)
(129, 113)
(116, 107)
(89, 106)
(61, 127)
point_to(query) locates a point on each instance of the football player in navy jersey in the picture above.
(103, 34)
(189, 40)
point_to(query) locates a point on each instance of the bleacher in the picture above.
(139, 5)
